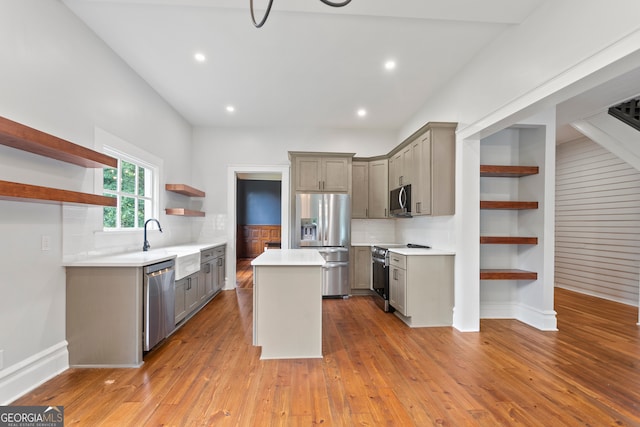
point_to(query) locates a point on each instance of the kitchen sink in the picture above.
(187, 260)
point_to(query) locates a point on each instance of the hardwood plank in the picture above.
(505, 204)
(184, 189)
(17, 135)
(508, 240)
(506, 171)
(507, 274)
(375, 371)
(183, 212)
(18, 191)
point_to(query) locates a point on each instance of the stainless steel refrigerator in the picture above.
(323, 222)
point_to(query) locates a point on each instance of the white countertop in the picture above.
(284, 257)
(420, 251)
(141, 258)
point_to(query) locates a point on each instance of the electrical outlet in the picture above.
(46, 243)
(1, 359)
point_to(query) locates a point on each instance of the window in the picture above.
(133, 184)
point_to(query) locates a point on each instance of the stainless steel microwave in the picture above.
(400, 201)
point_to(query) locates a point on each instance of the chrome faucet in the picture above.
(146, 245)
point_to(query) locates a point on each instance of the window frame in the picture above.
(153, 187)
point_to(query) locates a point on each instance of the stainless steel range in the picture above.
(380, 274)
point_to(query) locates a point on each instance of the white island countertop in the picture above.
(283, 257)
(141, 258)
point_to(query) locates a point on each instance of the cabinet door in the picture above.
(443, 171)
(180, 308)
(421, 186)
(395, 170)
(209, 278)
(220, 273)
(360, 185)
(378, 188)
(362, 268)
(308, 173)
(398, 289)
(335, 174)
(407, 166)
(191, 293)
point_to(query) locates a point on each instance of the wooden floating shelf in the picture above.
(18, 191)
(507, 274)
(503, 204)
(183, 212)
(185, 190)
(16, 135)
(508, 240)
(507, 171)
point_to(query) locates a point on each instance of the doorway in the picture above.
(236, 173)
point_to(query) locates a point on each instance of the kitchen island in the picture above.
(287, 303)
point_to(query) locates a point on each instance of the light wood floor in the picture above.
(375, 371)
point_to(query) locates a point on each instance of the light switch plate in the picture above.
(46, 243)
(1, 359)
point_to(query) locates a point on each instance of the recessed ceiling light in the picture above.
(199, 56)
(231, 108)
(390, 65)
(362, 112)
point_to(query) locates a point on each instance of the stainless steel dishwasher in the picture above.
(159, 302)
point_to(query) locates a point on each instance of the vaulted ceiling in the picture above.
(309, 65)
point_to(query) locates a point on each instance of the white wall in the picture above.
(217, 149)
(554, 55)
(597, 222)
(59, 78)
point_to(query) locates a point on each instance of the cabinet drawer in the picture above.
(207, 255)
(218, 251)
(397, 260)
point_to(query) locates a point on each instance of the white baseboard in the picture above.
(539, 319)
(545, 320)
(19, 379)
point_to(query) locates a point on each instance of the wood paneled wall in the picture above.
(252, 239)
(597, 222)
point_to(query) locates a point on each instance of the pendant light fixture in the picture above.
(266, 14)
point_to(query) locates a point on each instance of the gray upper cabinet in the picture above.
(433, 170)
(370, 189)
(360, 185)
(321, 172)
(378, 188)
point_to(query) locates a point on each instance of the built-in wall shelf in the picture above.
(18, 191)
(16, 135)
(505, 171)
(185, 190)
(505, 204)
(508, 240)
(507, 274)
(183, 212)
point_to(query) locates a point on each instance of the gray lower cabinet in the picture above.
(421, 289)
(195, 290)
(186, 296)
(104, 316)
